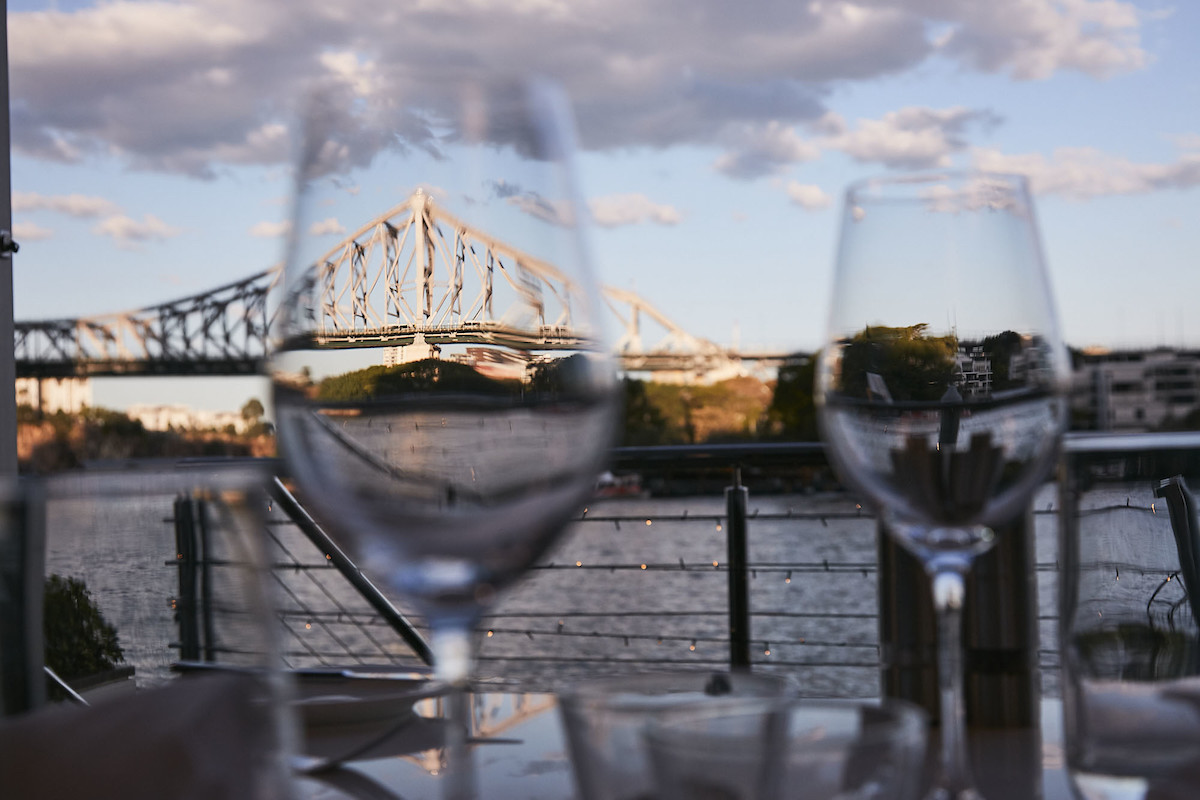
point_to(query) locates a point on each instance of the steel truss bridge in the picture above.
(414, 275)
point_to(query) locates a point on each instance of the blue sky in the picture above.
(150, 145)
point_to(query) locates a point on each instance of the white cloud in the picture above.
(758, 150)
(556, 213)
(1033, 39)
(30, 232)
(74, 205)
(1186, 141)
(360, 75)
(129, 233)
(616, 210)
(1084, 172)
(193, 85)
(326, 227)
(808, 196)
(270, 230)
(911, 138)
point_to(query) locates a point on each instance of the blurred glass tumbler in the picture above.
(605, 720)
(1130, 588)
(771, 749)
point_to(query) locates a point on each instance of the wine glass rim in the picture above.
(860, 186)
(893, 720)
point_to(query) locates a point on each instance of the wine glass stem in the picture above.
(949, 589)
(453, 657)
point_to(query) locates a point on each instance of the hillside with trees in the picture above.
(53, 442)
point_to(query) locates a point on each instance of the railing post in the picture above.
(206, 599)
(736, 500)
(185, 606)
(22, 587)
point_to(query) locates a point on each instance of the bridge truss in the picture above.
(414, 275)
(220, 332)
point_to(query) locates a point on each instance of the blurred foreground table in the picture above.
(521, 755)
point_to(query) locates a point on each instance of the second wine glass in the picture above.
(941, 383)
(444, 393)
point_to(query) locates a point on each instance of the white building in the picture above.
(1135, 390)
(181, 417)
(52, 395)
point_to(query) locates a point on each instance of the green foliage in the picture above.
(644, 421)
(79, 641)
(561, 377)
(427, 375)
(792, 415)
(668, 413)
(107, 422)
(914, 367)
(1001, 349)
(253, 410)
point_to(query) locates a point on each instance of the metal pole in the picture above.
(736, 498)
(8, 372)
(22, 565)
(185, 607)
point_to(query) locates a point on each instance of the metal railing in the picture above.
(693, 576)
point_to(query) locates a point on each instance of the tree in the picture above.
(644, 421)
(253, 410)
(913, 366)
(79, 640)
(792, 415)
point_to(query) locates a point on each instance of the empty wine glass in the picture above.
(941, 383)
(444, 393)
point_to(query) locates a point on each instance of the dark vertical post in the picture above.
(8, 373)
(22, 582)
(736, 500)
(185, 555)
(206, 606)
(1002, 680)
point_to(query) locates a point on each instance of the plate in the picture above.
(342, 698)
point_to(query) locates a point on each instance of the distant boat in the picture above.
(628, 485)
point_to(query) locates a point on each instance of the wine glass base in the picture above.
(942, 793)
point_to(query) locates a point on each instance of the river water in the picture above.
(636, 584)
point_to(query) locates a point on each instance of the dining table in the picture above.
(520, 753)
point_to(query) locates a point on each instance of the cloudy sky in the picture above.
(151, 146)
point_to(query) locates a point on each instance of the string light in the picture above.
(692, 646)
(767, 649)
(788, 578)
(648, 523)
(490, 634)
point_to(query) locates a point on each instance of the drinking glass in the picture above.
(1129, 597)
(604, 721)
(941, 383)
(444, 393)
(772, 748)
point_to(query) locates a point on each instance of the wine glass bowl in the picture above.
(444, 391)
(942, 375)
(941, 382)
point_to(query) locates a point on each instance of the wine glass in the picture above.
(941, 383)
(444, 393)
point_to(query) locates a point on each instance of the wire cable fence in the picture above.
(646, 581)
(637, 583)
